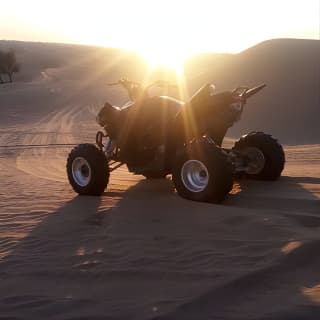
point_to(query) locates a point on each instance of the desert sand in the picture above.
(140, 251)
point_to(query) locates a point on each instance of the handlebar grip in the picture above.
(255, 90)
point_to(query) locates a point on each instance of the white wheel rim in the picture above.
(194, 175)
(81, 171)
(255, 158)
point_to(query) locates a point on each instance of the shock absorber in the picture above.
(109, 148)
(99, 136)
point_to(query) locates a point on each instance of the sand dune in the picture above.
(140, 251)
(288, 107)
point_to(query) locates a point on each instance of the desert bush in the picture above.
(8, 64)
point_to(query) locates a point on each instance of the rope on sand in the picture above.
(49, 145)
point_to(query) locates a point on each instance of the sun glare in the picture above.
(163, 32)
(173, 60)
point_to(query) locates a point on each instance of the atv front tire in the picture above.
(264, 155)
(202, 172)
(87, 170)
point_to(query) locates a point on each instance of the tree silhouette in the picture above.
(8, 64)
(1, 62)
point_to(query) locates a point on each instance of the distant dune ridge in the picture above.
(289, 107)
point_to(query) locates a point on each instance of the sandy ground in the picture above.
(142, 252)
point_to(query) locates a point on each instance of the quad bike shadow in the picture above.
(144, 232)
(287, 194)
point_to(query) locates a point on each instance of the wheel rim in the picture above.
(81, 171)
(194, 175)
(255, 160)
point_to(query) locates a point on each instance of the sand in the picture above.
(140, 251)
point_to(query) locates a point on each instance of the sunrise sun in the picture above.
(173, 60)
(164, 32)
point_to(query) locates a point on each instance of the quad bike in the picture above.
(160, 135)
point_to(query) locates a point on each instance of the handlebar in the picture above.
(240, 91)
(162, 84)
(123, 82)
(243, 93)
(136, 90)
(254, 90)
(159, 83)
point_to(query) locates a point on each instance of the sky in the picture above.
(170, 29)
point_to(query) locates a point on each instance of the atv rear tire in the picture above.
(88, 170)
(202, 172)
(267, 149)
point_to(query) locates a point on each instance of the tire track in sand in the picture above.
(49, 163)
